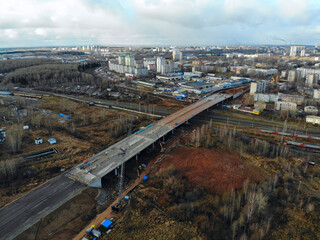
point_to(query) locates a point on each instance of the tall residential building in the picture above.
(312, 79)
(258, 87)
(177, 54)
(129, 61)
(292, 76)
(122, 60)
(138, 64)
(160, 61)
(297, 51)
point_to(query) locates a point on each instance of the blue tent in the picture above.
(145, 178)
(107, 224)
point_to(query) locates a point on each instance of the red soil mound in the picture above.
(218, 170)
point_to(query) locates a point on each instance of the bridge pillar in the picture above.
(137, 157)
(96, 184)
(163, 139)
(152, 145)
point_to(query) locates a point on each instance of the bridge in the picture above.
(91, 172)
(21, 214)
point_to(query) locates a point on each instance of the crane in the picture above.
(275, 79)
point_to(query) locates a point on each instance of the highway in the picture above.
(30, 208)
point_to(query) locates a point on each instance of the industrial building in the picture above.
(170, 78)
(198, 87)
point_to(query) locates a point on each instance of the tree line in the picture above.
(13, 64)
(48, 75)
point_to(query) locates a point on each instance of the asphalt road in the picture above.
(30, 208)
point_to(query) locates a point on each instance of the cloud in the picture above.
(157, 22)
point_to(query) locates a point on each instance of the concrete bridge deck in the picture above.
(111, 158)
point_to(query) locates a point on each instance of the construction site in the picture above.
(103, 186)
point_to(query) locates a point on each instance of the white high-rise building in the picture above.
(292, 76)
(177, 54)
(258, 87)
(160, 61)
(297, 51)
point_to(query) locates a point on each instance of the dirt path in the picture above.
(108, 212)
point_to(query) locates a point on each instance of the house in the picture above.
(38, 141)
(52, 140)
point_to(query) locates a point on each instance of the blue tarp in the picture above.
(65, 116)
(52, 140)
(107, 224)
(180, 98)
(145, 178)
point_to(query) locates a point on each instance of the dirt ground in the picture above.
(218, 170)
(89, 130)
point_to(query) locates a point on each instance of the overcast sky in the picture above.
(29, 23)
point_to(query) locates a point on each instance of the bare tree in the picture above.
(15, 134)
(8, 168)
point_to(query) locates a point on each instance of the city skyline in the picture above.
(35, 23)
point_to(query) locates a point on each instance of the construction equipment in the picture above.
(162, 148)
(275, 79)
(117, 206)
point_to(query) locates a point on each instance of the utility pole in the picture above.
(124, 151)
(284, 128)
